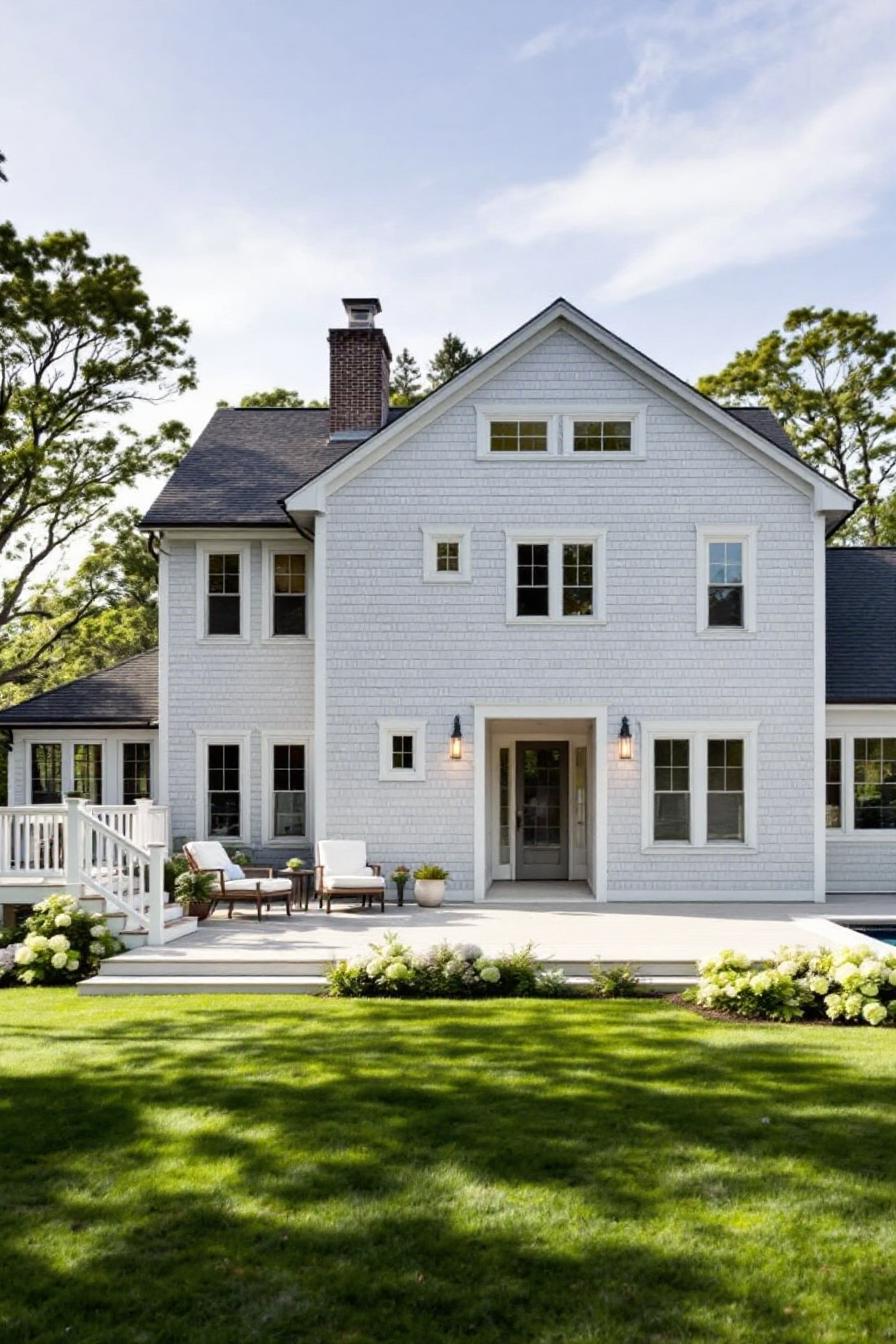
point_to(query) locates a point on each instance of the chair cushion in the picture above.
(270, 886)
(342, 856)
(208, 854)
(353, 882)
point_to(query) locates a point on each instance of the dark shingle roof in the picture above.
(127, 694)
(861, 624)
(243, 463)
(761, 420)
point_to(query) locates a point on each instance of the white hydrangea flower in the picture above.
(28, 977)
(73, 962)
(874, 1014)
(819, 984)
(98, 931)
(853, 1004)
(25, 955)
(375, 968)
(96, 949)
(869, 989)
(62, 921)
(468, 951)
(788, 967)
(59, 942)
(37, 941)
(490, 974)
(870, 967)
(59, 961)
(845, 972)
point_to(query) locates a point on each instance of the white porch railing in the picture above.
(93, 847)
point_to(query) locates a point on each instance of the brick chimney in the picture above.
(359, 372)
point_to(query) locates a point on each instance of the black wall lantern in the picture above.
(625, 740)
(457, 740)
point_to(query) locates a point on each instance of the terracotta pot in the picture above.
(200, 909)
(428, 891)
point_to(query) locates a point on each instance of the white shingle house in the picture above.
(563, 621)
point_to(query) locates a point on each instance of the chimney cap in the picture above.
(361, 312)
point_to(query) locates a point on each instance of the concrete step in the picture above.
(106, 984)
(154, 962)
(134, 939)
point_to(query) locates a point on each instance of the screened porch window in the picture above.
(46, 772)
(87, 766)
(136, 781)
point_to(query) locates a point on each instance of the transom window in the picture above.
(46, 772)
(518, 436)
(289, 796)
(699, 784)
(555, 578)
(602, 436)
(289, 596)
(874, 783)
(726, 583)
(833, 783)
(223, 594)
(136, 781)
(223, 800)
(671, 789)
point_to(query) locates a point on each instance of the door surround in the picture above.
(595, 717)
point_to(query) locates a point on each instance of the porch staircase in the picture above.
(175, 924)
(188, 970)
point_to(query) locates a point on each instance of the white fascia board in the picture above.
(560, 315)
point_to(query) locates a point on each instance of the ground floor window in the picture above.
(699, 785)
(46, 773)
(223, 800)
(874, 788)
(136, 774)
(288, 787)
(87, 770)
(833, 813)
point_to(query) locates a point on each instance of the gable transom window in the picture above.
(288, 617)
(874, 783)
(699, 785)
(223, 789)
(224, 593)
(402, 749)
(518, 436)
(556, 578)
(726, 581)
(136, 778)
(601, 436)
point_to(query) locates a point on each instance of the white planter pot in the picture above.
(428, 891)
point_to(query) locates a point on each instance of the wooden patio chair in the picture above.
(343, 873)
(253, 886)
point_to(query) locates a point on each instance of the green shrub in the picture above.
(174, 866)
(195, 888)
(852, 985)
(615, 982)
(430, 872)
(62, 944)
(447, 971)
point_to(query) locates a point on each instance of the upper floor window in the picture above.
(726, 580)
(555, 577)
(289, 594)
(602, 436)
(224, 593)
(519, 436)
(874, 788)
(446, 554)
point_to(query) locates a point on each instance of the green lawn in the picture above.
(223, 1170)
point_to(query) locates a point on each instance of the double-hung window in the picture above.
(286, 590)
(288, 792)
(699, 785)
(874, 783)
(136, 771)
(224, 581)
(223, 789)
(87, 765)
(46, 773)
(556, 577)
(726, 580)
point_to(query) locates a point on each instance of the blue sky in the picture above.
(685, 171)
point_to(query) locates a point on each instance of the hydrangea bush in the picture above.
(7, 964)
(446, 971)
(62, 944)
(852, 984)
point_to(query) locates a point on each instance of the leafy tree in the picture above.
(277, 396)
(3, 177)
(80, 344)
(116, 585)
(405, 385)
(830, 376)
(451, 357)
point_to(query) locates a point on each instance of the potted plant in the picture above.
(429, 884)
(400, 877)
(295, 864)
(195, 892)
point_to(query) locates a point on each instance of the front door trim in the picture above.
(596, 716)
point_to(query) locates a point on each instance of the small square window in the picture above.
(448, 557)
(446, 554)
(402, 749)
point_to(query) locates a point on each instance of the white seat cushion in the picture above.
(342, 856)
(208, 854)
(270, 886)
(353, 882)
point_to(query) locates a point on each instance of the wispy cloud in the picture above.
(547, 40)
(748, 130)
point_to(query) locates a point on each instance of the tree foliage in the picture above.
(450, 359)
(80, 345)
(116, 586)
(829, 375)
(405, 386)
(277, 397)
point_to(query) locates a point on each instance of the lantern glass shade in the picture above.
(456, 750)
(625, 741)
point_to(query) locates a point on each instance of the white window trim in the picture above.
(203, 741)
(68, 739)
(116, 748)
(432, 535)
(415, 728)
(636, 417)
(268, 550)
(203, 550)
(746, 535)
(883, 726)
(556, 539)
(270, 739)
(698, 734)
(560, 418)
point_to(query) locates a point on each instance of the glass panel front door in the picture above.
(542, 811)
